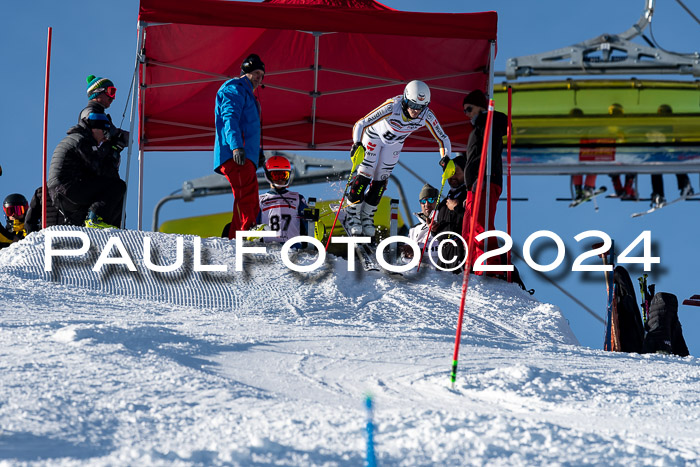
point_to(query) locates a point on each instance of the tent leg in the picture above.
(132, 119)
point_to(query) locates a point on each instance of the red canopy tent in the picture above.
(328, 63)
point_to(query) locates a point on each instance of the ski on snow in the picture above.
(365, 252)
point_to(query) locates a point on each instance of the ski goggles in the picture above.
(111, 91)
(429, 200)
(415, 105)
(468, 109)
(15, 211)
(279, 176)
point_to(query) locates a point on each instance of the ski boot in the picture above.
(687, 191)
(657, 201)
(352, 219)
(94, 221)
(367, 218)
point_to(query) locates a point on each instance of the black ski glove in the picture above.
(354, 148)
(443, 162)
(239, 156)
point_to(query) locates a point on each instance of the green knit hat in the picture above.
(96, 85)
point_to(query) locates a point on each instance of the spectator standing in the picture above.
(475, 107)
(237, 148)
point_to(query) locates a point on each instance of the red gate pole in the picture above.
(470, 240)
(510, 131)
(46, 120)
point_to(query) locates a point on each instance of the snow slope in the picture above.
(269, 367)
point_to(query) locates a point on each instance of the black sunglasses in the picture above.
(468, 109)
(429, 200)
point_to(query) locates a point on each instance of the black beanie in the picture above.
(428, 191)
(252, 63)
(476, 97)
(460, 160)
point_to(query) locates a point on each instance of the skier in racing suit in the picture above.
(382, 133)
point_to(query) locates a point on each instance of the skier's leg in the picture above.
(657, 190)
(359, 185)
(684, 184)
(386, 160)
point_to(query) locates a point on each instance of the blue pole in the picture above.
(371, 461)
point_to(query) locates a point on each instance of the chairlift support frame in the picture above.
(581, 58)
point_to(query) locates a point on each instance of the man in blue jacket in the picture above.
(237, 150)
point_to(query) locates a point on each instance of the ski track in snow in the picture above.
(98, 374)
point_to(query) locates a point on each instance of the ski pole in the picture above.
(449, 171)
(357, 159)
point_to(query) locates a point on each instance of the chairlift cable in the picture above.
(688, 11)
(128, 97)
(656, 44)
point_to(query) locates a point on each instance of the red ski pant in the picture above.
(470, 210)
(246, 204)
(590, 180)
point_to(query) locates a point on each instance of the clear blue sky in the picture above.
(100, 39)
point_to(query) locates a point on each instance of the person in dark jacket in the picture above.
(101, 93)
(449, 218)
(475, 107)
(32, 221)
(237, 147)
(84, 181)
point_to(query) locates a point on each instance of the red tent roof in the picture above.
(327, 66)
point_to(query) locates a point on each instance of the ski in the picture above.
(656, 208)
(691, 302)
(597, 192)
(364, 252)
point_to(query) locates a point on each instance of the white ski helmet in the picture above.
(416, 96)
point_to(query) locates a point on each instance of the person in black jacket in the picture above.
(449, 218)
(475, 105)
(84, 181)
(32, 221)
(101, 93)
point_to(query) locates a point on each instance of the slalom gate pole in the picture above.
(357, 159)
(46, 126)
(371, 460)
(470, 240)
(509, 274)
(448, 172)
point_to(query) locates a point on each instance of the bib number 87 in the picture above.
(275, 222)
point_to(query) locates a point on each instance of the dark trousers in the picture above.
(102, 195)
(657, 183)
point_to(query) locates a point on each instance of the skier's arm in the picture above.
(376, 115)
(230, 103)
(440, 136)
